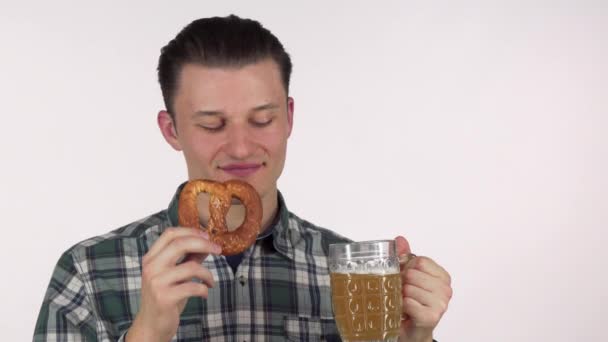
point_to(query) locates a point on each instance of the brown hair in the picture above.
(219, 42)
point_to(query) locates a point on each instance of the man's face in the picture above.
(231, 123)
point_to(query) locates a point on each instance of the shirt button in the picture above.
(242, 281)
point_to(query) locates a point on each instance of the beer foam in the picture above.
(374, 272)
(377, 266)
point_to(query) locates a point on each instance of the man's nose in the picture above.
(239, 144)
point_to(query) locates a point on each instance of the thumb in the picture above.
(402, 245)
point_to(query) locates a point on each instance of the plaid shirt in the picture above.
(280, 290)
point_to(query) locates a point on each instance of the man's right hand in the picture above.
(166, 286)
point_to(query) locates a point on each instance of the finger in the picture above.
(434, 301)
(422, 296)
(168, 236)
(402, 245)
(406, 261)
(418, 314)
(425, 281)
(427, 265)
(182, 246)
(412, 307)
(187, 290)
(196, 257)
(185, 273)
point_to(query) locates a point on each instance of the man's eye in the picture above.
(261, 123)
(212, 128)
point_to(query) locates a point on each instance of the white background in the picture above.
(474, 128)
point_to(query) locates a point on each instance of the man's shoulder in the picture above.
(127, 239)
(307, 228)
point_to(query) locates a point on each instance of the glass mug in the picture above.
(366, 290)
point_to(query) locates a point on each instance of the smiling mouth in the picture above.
(242, 170)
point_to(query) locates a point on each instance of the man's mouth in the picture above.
(242, 170)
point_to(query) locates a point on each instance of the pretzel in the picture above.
(232, 242)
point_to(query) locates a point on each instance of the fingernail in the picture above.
(406, 258)
(204, 234)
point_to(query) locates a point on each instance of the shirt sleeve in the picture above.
(66, 313)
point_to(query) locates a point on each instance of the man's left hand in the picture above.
(427, 290)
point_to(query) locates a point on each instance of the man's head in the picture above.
(219, 42)
(225, 84)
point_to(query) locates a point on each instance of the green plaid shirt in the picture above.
(279, 292)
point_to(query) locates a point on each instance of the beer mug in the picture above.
(366, 290)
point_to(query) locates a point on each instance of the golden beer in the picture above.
(367, 307)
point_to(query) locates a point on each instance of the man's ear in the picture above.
(290, 106)
(168, 129)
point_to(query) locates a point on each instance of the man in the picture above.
(225, 83)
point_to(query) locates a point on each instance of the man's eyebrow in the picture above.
(259, 108)
(265, 107)
(199, 113)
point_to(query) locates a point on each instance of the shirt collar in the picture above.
(278, 231)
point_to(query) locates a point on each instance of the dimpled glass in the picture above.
(366, 290)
